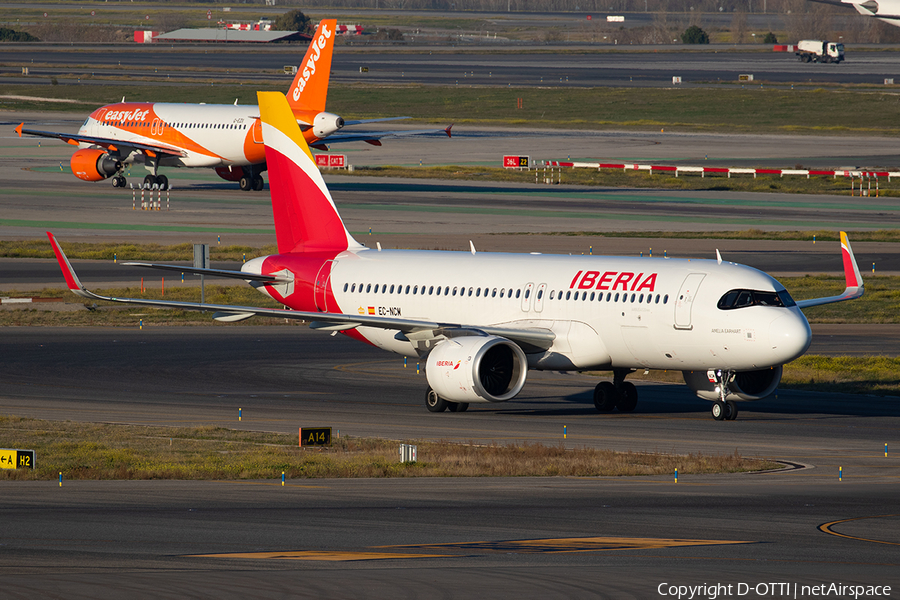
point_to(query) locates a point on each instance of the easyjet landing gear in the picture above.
(435, 403)
(161, 181)
(251, 182)
(119, 182)
(619, 394)
(722, 409)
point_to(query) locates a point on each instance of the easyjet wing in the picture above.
(110, 144)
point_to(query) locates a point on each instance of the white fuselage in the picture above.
(207, 135)
(606, 312)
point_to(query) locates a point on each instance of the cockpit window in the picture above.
(743, 298)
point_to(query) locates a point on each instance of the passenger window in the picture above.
(470, 291)
(632, 297)
(552, 294)
(518, 293)
(345, 286)
(477, 292)
(454, 290)
(407, 289)
(392, 288)
(617, 297)
(568, 295)
(447, 291)
(592, 296)
(527, 294)
(415, 290)
(539, 294)
(430, 290)
(666, 299)
(503, 290)
(368, 288)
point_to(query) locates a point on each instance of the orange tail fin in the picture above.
(309, 90)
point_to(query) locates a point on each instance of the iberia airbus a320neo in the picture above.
(224, 137)
(480, 320)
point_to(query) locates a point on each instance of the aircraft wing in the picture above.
(122, 146)
(855, 286)
(531, 337)
(375, 137)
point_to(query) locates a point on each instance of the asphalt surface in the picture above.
(568, 67)
(556, 537)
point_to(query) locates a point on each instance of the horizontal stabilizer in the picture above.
(215, 272)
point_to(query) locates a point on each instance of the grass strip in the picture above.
(764, 184)
(111, 451)
(726, 109)
(126, 251)
(868, 375)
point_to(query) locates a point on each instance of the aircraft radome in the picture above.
(224, 137)
(479, 321)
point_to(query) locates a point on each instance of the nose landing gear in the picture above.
(722, 409)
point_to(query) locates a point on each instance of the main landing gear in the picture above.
(436, 404)
(161, 181)
(722, 409)
(251, 182)
(619, 393)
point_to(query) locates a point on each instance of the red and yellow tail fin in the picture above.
(309, 90)
(306, 219)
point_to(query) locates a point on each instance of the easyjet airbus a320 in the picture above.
(480, 321)
(225, 137)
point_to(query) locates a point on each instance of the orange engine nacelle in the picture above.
(94, 164)
(230, 173)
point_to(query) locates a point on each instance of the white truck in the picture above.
(819, 51)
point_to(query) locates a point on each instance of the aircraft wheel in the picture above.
(246, 183)
(149, 180)
(458, 406)
(628, 397)
(258, 183)
(434, 403)
(118, 181)
(731, 410)
(605, 396)
(718, 410)
(163, 182)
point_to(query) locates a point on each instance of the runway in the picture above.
(568, 537)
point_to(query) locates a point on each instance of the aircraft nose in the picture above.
(790, 336)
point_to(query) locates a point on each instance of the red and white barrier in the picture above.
(721, 170)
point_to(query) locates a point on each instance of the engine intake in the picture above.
(93, 164)
(325, 124)
(476, 369)
(746, 385)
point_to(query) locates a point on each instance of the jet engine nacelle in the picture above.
(747, 385)
(93, 164)
(476, 369)
(326, 123)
